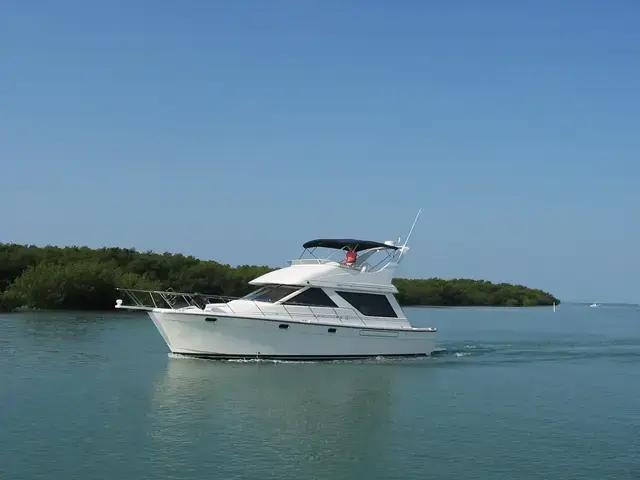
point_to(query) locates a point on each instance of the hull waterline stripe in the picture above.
(221, 356)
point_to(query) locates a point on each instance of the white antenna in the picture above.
(412, 227)
(402, 249)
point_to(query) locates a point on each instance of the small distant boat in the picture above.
(593, 305)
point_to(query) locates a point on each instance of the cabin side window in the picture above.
(369, 304)
(271, 294)
(312, 297)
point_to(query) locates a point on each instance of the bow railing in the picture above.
(169, 299)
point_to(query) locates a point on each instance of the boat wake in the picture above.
(532, 351)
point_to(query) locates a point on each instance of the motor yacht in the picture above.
(340, 305)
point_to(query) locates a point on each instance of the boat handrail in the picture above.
(168, 299)
(163, 298)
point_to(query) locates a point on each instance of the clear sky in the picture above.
(237, 130)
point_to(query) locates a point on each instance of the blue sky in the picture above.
(237, 130)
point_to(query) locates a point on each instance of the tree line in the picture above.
(82, 278)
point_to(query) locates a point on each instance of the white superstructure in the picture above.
(318, 307)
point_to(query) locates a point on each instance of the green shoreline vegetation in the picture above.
(82, 278)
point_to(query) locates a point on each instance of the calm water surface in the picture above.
(518, 394)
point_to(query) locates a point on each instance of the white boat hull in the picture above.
(228, 337)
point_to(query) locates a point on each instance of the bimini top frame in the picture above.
(351, 246)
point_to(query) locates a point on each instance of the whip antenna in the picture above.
(403, 248)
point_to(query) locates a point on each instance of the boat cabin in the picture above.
(367, 304)
(352, 283)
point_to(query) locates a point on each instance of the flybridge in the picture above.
(352, 246)
(354, 254)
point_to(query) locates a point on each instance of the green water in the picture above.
(519, 394)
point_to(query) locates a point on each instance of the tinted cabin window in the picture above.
(271, 294)
(314, 297)
(369, 304)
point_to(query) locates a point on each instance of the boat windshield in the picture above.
(271, 294)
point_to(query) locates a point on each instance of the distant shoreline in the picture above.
(85, 279)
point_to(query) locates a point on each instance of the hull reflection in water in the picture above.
(287, 417)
